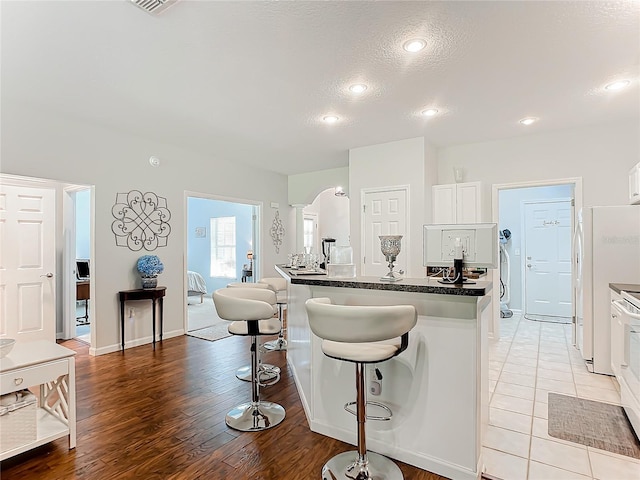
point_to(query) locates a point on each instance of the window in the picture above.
(309, 234)
(223, 247)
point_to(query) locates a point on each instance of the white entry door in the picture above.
(27, 263)
(548, 288)
(384, 213)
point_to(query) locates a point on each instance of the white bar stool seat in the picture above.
(251, 312)
(361, 334)
(278, 285)
(268, 373)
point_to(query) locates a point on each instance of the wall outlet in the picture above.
(132, 312)
(375, 387)
(375, 382)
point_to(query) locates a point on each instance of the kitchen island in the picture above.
(437, 389)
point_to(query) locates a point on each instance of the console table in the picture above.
(51, 367)
(154, 294)
(246, 273)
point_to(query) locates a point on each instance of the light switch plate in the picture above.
(275, 205)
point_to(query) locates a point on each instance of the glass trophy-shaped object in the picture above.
(390, 247)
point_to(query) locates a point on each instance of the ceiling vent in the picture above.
(154, 6)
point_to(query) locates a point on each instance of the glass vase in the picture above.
(149, 282)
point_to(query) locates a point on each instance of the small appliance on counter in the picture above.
(341, 263)
(327, 245)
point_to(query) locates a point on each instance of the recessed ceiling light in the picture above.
(528, 120)
(414, 45)
(358, 88)
(617, 85)
(330, 119)
(429, 112)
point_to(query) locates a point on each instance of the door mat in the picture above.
(591, 423)
(213, 333)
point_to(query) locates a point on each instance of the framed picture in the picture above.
(201, 232)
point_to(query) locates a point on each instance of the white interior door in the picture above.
(27, 263)
(548, 286)
(384, 213)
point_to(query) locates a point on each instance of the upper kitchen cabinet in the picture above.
(457, 203)
(634, 185)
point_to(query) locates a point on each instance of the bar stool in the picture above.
(361, 334)
(268, 374)
(250, 311)
(278, 285)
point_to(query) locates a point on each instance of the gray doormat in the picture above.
(213, 333)
(595, 424)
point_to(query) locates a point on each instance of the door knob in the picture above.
(48, 275)
(528, 265)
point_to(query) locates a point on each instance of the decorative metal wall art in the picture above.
(142, 220)
(277, 231)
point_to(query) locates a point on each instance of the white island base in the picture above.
(437, 389)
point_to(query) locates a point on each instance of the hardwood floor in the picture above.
(146, 414)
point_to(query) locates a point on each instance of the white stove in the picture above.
(630, 366)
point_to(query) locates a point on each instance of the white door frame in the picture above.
(406, 240)
(257, 238)
(69, 260)
(495, 215)
(523, 259)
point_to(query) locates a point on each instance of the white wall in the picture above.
(305, 187)
(333, 216)
(602, 155)
(510, 206)
(43, 145)
(390, 164)
(430, 178)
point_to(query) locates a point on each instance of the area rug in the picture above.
(212, 333)
(591, 423)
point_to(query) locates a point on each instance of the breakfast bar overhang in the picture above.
(437, 389)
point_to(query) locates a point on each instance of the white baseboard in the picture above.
(133, 343)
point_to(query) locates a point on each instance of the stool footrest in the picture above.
(271, 372)
(347, 407)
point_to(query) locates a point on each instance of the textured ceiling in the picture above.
(250, 81)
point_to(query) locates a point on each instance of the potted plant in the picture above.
(149, 267)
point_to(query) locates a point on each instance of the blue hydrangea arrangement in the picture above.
(150, 265)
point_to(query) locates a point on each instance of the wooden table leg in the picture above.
(154, 322)
(122, 321)
(161, 315)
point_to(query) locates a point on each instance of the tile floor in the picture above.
(528, 361)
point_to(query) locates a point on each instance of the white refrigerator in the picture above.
(607, 250)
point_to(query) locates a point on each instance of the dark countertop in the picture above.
(414, 285)
(626, 287)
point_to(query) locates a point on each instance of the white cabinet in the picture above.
(457, 203)
(51, 367)
(634, 185)
(617, 335)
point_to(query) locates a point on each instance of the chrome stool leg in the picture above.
(255, 415)
(267, 374)
(280, 343)
(361, 465)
